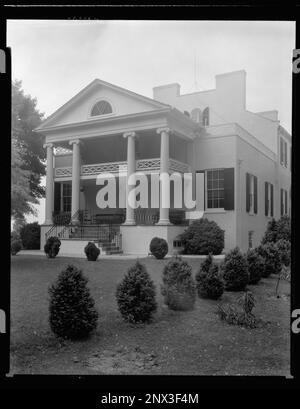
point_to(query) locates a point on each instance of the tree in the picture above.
(28, 144)
(21, 197)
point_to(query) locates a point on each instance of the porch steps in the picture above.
(90, 233)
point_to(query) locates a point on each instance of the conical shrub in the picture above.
(72, 311)
(136, 295)
(208, 280)
(235, 270)
(178, 288)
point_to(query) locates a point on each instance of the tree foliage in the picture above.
(28, 154)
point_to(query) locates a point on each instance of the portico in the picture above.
(156, 140)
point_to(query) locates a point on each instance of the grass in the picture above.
(178, 343)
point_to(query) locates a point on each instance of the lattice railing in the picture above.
(146, 165)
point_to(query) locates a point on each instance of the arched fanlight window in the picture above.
(196, 115)
(101, 108)
(205, 117)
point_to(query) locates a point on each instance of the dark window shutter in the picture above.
(229, 189)
(247, 192)
(56, 198)
(286, 206)
(281, 202)
(285, 153)
(272, 200)
(255, 194)
(204, 187)
(266, 199)
(281, 151)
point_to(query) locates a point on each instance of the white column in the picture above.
(76, 167)
(130, 170)
(49, 184)
(164, 169)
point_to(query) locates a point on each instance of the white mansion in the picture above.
(244, 156)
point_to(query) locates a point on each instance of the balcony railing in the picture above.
(143, 165)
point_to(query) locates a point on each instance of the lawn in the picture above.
(176, 343)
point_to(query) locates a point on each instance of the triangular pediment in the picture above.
(78, 109)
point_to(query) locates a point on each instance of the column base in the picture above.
(129, 223)
(164, 222)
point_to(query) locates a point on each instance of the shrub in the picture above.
(136, 295)
(284, 249)
(271, 256)
(233, 316)
(52, 246)
(30, 235)
(159, 247)
(209, 284)
(203, 237)
(178, 288)
(15, 245)
(92, 251)
(284, 228)
(71, 308)
(235, 270)
(270, 235)
(256, 266)
(278, 230)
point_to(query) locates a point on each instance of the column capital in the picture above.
(48, 145)
(165, 129)
(129, 134)
(75, 141)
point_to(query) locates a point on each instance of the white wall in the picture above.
(227, 104)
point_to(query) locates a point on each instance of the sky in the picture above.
(55, 59)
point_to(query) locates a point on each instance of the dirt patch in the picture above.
(123, 361)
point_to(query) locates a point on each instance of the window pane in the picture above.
(215, 184)
(221, 203)
(215, 203)
(209, 204)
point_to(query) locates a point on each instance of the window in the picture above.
(205, 117)
(66, 197)
(215, 188)
(283, 202)
(283, 152)
(196, 115)
(101, 108)
(269, 199)
(251, 193)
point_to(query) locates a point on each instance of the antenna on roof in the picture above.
(195, 71)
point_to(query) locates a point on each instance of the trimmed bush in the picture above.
(270, 235)
(30, 235)
(202, 237)
(72, 312)
(92, 251)
(136, 295)
(256, 266)
(15, 245)
(271, 256)
(178, 288)
(51, 248)
(284, 228)
(284, 248)
(278, 230)
(235, 270)
(209, 283)
(159, 247)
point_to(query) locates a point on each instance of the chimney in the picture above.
(166, 93)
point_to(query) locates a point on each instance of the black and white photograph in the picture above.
(151, 200)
